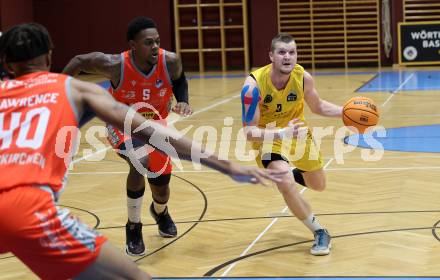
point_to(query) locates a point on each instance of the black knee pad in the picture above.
(135, 194)
(268, 158)
(161, 180)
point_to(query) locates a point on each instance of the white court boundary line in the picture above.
(171, 122)
(404, 83)
(231, 266)
(398, 89)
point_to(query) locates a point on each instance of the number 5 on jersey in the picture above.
(146, 94)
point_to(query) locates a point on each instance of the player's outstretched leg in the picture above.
(111, 264)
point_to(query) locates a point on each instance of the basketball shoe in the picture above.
(167, 228)
(134, 243)
(322, 243)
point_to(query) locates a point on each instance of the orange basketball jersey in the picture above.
(154, 88)
(37, 123)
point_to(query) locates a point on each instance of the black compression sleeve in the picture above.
(180, 89)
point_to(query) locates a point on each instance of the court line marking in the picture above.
(398, 89)
(388, 99)
(218, 103)
(389, 88)
(404, 83)
(401, 85)
(231, 266)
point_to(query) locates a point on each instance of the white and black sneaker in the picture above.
(134, 244)
(167, 228)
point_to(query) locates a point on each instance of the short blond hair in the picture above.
(282, 37)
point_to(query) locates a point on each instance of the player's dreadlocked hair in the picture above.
(24, 42)
(139, 24)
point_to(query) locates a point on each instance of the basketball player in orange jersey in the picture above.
(275, 94)
(145, 73)
(34, 108)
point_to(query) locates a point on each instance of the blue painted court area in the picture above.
(303, 278)
(424, 138)
(403, 81)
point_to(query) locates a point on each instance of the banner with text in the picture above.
(419, 43)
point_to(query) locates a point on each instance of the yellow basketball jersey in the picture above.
(280, 106)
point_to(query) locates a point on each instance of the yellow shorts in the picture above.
(302, 153)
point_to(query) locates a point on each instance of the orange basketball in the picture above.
(360, 112)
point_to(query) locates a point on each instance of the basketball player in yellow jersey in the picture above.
(273, 100)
